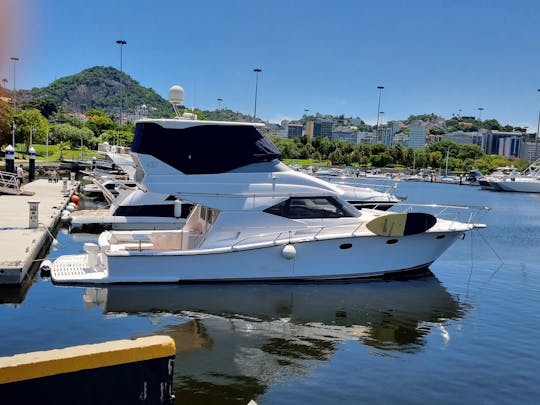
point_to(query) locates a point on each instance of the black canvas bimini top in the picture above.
(204, 149)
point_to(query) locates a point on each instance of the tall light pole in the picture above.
(379, 106)
(14, 59)
(257, 71)
(480, 109)
(537, 131)
(121, 42)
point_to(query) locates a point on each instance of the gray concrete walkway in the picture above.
(21, 245)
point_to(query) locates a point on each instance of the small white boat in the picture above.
(254, 218)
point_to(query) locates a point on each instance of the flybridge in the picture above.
(200, 147)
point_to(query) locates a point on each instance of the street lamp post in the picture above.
(257, 71)
(13, 128)
(14, 59)
(537, 131)
(121, 42)
(379, 106)
(480, 109)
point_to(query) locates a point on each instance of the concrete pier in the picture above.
(22, 243)
(136, 371)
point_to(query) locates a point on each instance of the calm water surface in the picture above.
(468, 333)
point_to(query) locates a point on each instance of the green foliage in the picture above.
(436, 131)
(422, 117)
(6, 120)
(31, 121)
(98, 122)
(381, 160)
(117, 137)
(73, 136)
(461, 157)
(62, 148)
(488, 163)
(102, 87)
(46, 105)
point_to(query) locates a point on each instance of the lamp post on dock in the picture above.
(257, 71)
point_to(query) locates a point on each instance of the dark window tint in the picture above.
(310, 207)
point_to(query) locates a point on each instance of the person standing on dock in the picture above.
(20, 175)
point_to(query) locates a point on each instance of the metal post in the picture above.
(257, 71)
(14, 127)
(121, 42)
(537, 131)
(379, 106)
(14, 59)
(33, 214)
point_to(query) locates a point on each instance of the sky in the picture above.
(433, 56)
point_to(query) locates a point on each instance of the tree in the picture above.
(491, 124)
(381, 159)
(99, 121)
(30, 123)
(6, 121)
(72, 135)
(62, 147)
(46, 105)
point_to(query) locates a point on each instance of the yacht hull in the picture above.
(332, 259)
(531, 186)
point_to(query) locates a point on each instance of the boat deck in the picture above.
(21, 245)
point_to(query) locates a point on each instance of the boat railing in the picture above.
(303, 234)
(389, 188)
(463, 213)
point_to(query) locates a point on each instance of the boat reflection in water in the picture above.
(241, 338)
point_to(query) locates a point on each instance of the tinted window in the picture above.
(310, 207)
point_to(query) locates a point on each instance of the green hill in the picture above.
(100, 87)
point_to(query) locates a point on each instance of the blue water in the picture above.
(466, 334)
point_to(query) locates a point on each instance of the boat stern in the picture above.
(79, 268)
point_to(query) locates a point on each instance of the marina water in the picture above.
(467, 333)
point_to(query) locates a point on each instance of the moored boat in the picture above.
(254, 218)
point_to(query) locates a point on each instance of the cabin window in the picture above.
(310, 207)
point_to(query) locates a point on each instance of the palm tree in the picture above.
(62, 147)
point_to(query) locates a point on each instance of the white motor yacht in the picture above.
(527, 181)
(254, 218)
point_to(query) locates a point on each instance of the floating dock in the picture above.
(27, 223)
